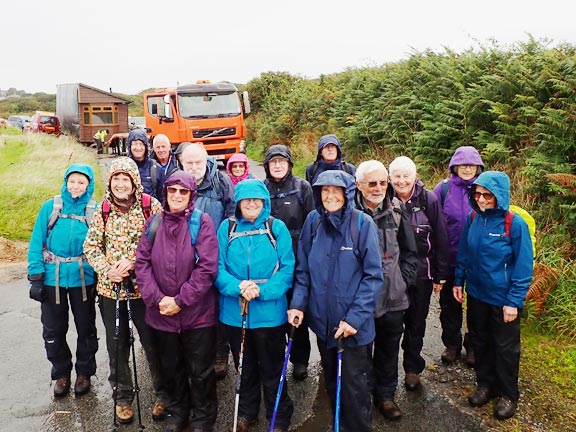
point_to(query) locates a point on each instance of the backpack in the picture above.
(355, 226)
(57, 213)
(154, 167)
(233, 235)
(524, 214)
(146, 208)
(396, 210)
(345, 168)
(193, 226)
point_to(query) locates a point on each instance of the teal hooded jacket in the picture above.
(497, 269)
(253, 257)
(66, 238)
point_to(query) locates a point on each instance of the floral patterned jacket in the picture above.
(107, 243)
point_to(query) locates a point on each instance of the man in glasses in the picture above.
(215, 196)
(399, 265)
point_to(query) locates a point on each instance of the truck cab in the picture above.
(211, 113)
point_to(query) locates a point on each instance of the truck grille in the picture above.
(217, 132)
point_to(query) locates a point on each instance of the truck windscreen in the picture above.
(206, 105)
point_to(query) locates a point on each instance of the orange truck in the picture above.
(211, 113)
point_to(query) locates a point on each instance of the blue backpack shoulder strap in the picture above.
(444, 191)
(194, 225)
(153, 227)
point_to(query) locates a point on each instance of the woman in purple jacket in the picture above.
(465, 166)
(176, 278)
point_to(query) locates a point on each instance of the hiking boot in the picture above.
(221, 367)
(470, 359)
(243, 424)
(450, 355)
(504, 408)
(158, 412)
(124, 414)
(62, 386)
(300, 372)
(82, 385)
(481, 396)
(389, 410)
(412, 381)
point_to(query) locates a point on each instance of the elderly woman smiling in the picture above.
(256, 263)
(429, 227)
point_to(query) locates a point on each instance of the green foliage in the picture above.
(27, 104)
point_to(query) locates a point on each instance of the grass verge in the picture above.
(33, 167)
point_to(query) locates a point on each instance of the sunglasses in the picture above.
(172, 190)
(372, 184)
(486, 195)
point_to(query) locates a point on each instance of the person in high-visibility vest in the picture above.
(100, 138)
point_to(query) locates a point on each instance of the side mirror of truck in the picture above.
(246, 101)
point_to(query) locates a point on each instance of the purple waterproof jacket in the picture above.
(455, 204)
(169, 268)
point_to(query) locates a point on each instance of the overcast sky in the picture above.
(132, 45)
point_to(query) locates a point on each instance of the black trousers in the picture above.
(120, 365)
(415, 325)
(301, 348)
(355, 400)
(54, 319)
(222, 345)
(264, 352)
(187, 373)
(497, 348)
(389, 329)
(451, 316)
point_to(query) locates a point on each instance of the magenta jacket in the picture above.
(168, 267)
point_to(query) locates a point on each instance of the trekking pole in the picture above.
(115, 424)
(283, 376)
(338, 385)
(244, 307)
(136, 386)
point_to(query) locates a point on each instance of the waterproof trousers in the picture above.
(264, 351)
(389, 329)
(300, 352)
(497, 348)
(415, 325)
(54, 319)
(120, 364)
(451, 316)
(355, 395)
(187, 374)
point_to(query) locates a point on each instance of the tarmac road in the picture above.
(27, 402)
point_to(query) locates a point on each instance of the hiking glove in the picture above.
(37, 288)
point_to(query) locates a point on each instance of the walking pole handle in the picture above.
(293, 328)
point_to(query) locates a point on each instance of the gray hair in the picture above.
(368, 167)
(195, 146)
(161, 138)
(403, 163)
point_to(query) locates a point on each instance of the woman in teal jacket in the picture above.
(59, 275)
(256, 265)
(495, 261)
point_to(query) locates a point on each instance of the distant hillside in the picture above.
(14, 101)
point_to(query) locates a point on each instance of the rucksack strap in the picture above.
(444, 190)
(154, 175)
(508, 223)
(146, 205)
(57, 205)
(194, 224)
(105, 212)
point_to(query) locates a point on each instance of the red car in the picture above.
(45, 123)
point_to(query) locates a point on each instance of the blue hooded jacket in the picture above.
(496, 268)
(66, 238)
(253, 257)
(332, 284)
(146, 166)
(313, 173)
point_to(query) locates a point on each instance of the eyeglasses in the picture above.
(373, 184)
(486, 195)
(172, 190)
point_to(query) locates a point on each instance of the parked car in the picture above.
(137, 123)
(45, 123)
(18, 121)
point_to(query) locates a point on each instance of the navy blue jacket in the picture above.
(317, 167)
(146, 166)
(332, 284)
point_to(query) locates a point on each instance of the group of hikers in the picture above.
(204, 262)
